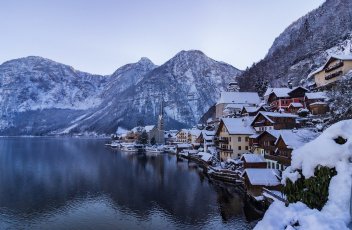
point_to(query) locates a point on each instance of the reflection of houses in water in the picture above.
(230, 203)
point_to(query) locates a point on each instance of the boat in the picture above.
(129, 148)
(153, 149)
(170, 148)
(114, 145)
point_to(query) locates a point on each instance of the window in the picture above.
(247, 139)
(246, 147)
(230, 139)
(239, 148)
(239, 139)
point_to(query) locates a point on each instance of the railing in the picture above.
(337, 65)
(336, 74)
(282, 159)
(275, 196)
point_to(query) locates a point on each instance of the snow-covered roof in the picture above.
(234, 106)
(184, 146)
(296, 105)
(195, 132)
(238, 125)
(318, 103)
(316, 95)
(281, 92)
(269, 115)
(239, 98)
(264, 177)
(296, 138)
(205, 156)
(149, 128)
(251, 109)
(252, 158)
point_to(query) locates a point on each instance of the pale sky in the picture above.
(100, 36)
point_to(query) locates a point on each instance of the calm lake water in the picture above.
(71, 183)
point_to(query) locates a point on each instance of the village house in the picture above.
(234, 102)
(271, 120)
(251, 160)
(255, 179)
(316, 103)
(193, 135)
(251, 110)
(170, 136)
(280, 99)
(286, 142)
(182, 136)
(208, 137)
(263, 143)
(333, 69)
(232, 137)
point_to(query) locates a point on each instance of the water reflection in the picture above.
(61, 183)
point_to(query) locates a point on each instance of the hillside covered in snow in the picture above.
(304, 46)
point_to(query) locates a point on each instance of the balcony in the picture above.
(336, 66)
(224, 149)
(333, 75)
(281, 159)
(224, 141)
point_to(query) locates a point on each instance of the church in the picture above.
(158, 131)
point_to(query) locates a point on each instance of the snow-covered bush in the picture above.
(331, 150)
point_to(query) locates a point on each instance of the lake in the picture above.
(77, 183)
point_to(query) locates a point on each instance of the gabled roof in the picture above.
(264, 177)
(252, 158)
(195, 132)
(269, 115)
(149, 128)
(282, 92)
(331, 57)
(252, 109)
(296, 105)
(238, 125)
(316, 95)
(279, 92)
(239, 98)
(296, 138)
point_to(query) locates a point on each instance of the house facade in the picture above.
(182, 136)
(334, 68)
(280, 99)
(265, 121)
(232, 137)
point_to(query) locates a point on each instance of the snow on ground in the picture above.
(322, 151)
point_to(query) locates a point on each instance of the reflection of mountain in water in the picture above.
(38, 176)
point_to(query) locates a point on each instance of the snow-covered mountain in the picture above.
(304, 46)
(40, 96)
(34, 92)
(189, 84)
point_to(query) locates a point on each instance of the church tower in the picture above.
(160, 138)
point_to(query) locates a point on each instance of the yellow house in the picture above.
(182, 136)
(335, 67)
(232, 137)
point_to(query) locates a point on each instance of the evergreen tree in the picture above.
(143, 138)
(153, 141)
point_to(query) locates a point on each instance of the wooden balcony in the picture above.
(281, 159)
